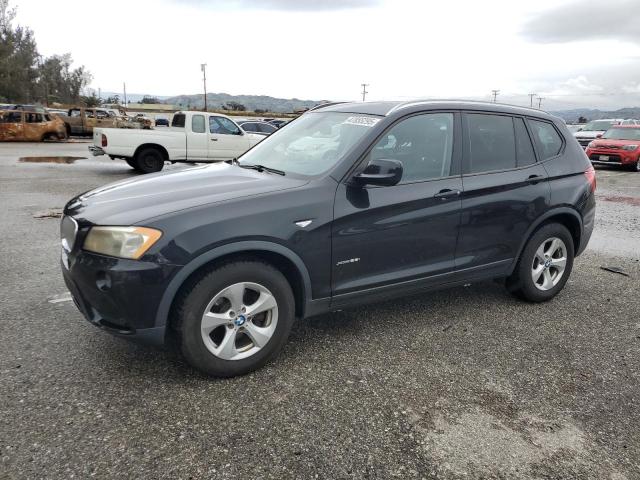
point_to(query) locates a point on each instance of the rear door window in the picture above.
(547, 139)
(197, 124)
(33, 118)
(492, 143)
(524, 147)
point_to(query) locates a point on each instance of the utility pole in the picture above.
(531, 95)
(364, 91)
(203, 67)
(540, 102)
(495, 94)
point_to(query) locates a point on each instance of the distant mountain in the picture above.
(595, 114)
(251, 102)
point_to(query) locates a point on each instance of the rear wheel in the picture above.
(149, 160)
(235, 318)
(544, 266)
(132, 163)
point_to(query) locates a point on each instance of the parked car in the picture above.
(162, 122)
(82, 121)
(595, 129)
(257, 127)
(620, 145)
(278, 123)
(409, 197)
(193, 137)
(30, 126)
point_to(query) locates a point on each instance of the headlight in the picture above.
(123, 242)
(591, 145)
(629, 147)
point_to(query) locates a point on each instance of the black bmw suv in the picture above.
(350, 203)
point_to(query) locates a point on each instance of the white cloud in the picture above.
(402, 48)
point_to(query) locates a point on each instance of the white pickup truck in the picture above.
(192, 137)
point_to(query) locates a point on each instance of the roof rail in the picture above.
(412, 103)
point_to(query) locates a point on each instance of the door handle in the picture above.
(533, 179)
(447, 193)
(214, 139)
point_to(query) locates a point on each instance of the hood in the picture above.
(130, 202)
(588, 134)
(613, 143)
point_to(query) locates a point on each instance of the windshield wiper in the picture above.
(261, 168)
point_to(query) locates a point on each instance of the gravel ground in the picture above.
(464, 383)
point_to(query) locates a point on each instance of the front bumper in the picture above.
(619, 157)
(118, 295)
(96, 151)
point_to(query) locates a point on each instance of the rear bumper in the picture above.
(588, 223)
(118, 296)
(96, 151)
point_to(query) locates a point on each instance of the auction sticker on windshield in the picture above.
(361, 121)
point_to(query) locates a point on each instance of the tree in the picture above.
(25, 76)
(18, 58)
(149, 99)
(234, 106)
(582, 119)
(114, 100)
(91, 100)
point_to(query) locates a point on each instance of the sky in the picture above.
(574, 54)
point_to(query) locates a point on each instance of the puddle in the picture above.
(634, 201)
(66, 160)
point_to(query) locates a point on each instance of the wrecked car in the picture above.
(81, 121)
(27, 126)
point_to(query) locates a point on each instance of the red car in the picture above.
(620, 145)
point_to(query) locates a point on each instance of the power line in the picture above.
(495, 94)
(364, 91)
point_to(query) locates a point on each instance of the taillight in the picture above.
(104, 140)
(590, 174)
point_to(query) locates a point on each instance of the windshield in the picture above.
(623, 134)
(312, 144)
(597, 125)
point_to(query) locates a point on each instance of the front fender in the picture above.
(178, 280)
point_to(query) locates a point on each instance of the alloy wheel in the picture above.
(239, 321)
(549, 263)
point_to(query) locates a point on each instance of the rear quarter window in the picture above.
(178, 120)
(547, 139)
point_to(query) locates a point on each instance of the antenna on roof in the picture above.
(364, 91)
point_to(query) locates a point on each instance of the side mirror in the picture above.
(384, 173)
(599, 135)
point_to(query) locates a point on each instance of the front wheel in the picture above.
(235, 318)
(148, 160)
(635, 167)
(544, 265)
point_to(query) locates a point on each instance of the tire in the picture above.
(149, 160)
(542, 257)
(132, 163)
(635, 167)
(215, 334)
